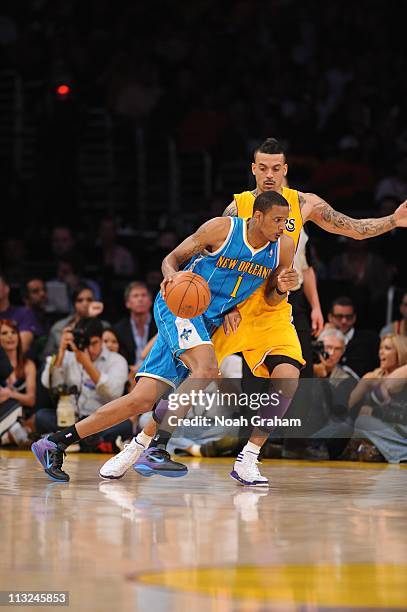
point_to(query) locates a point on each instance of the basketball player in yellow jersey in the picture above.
(266, 335)
(267, 330)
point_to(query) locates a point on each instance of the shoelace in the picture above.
(159, 452)
(119, 456)
(57, 458)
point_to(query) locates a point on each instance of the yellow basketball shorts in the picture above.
(266, 333)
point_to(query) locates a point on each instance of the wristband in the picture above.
(280, 292)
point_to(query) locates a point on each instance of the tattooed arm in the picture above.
(314, 208)
(231, 210)
(210, 235)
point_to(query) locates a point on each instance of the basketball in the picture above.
(188, 295)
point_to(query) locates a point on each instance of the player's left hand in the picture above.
(317, 321)
(287, 279)
(400, 215)
(231, 321)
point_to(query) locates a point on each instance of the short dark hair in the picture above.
(91, 326)
(343, 300)
(24, 289)
(267, 200)
(271, 146)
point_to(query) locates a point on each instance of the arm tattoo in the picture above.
(195, 248)
(338, 223)
(231, 210)
(301, 199)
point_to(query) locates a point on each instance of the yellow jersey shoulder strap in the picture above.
(244, 203)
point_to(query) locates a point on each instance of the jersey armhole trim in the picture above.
(222, 246)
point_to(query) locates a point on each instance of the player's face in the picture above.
(269, 171)
(139, 301)
(388, 355)
(343, 317)
(272, 222)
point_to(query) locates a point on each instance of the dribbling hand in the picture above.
(167, 280)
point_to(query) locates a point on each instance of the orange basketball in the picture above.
(188, 295)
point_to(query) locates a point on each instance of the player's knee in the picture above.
(137, 403)
(288, 387)
(205, 370)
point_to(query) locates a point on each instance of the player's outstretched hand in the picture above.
(400, 215)
(287, 280)
(231, 321)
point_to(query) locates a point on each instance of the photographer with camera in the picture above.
(330, 395)
(88, 372)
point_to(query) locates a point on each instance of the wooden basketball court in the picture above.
(325, 536)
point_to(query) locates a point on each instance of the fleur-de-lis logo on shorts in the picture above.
(185, 334)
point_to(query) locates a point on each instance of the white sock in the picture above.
(195, 450)
(252, 448)
(144, 439)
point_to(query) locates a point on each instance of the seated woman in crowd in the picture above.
(381, 407)
(21, 383)
(84, 306)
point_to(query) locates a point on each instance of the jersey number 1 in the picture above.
(236, 287)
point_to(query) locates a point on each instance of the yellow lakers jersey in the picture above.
(294, 222)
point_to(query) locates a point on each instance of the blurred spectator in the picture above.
(361, 345)
(84, 306)
(98, 375)
(62, 241)
(400, 326)
(69, 271)
(23, 316)
(110, 340)
(380, 401)
(135, 330)
(114, 256)
(20, 384)
(367, 274)
(394, 186)
(35, 297)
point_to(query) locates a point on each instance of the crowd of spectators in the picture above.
(49, 364)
